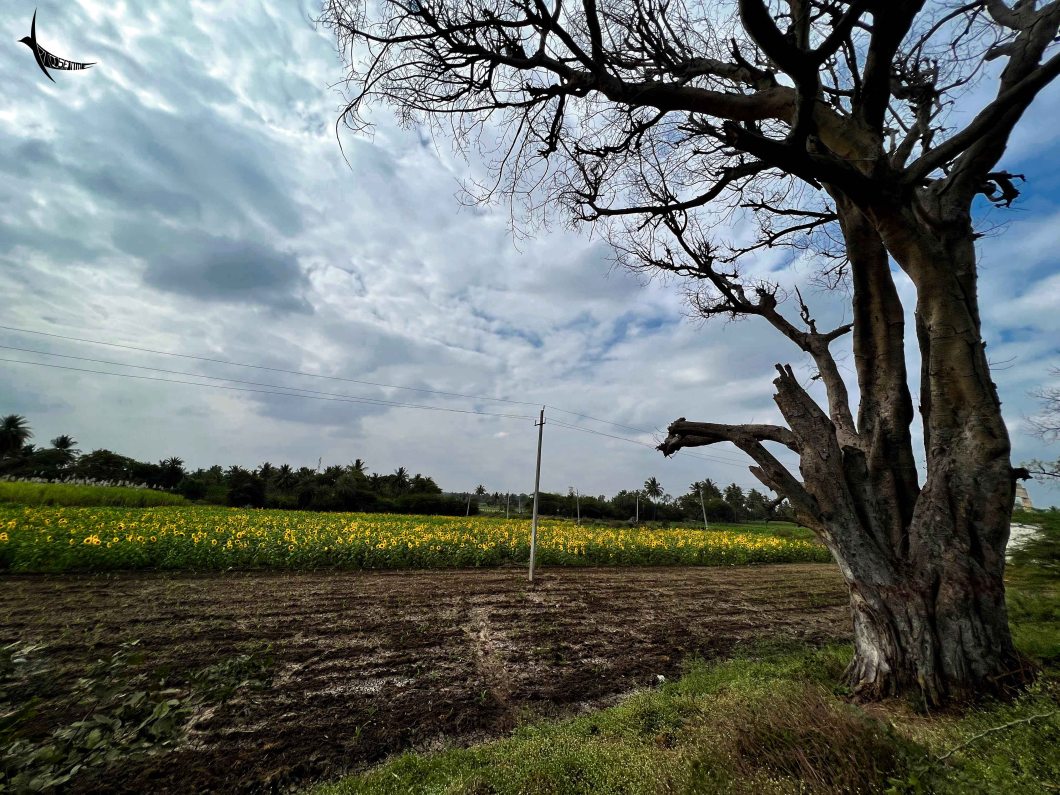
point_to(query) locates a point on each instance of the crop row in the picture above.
(41, 539)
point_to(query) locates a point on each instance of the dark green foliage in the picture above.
(245, 489)
(14, 433)
(124, 710)
(193, 488)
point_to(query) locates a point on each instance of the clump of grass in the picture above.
(805, 736)
(742, 726)
(68, 495)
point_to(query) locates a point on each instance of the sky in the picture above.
(189, 195)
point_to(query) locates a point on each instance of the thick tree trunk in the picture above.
(924, 564)
(930, 611)
(935, 626)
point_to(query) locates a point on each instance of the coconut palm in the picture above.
(65, 442)
(14, 432)
(285, 477)
(172, 472)
(653, 489)
(67, 445)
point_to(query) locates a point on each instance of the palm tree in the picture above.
(172, 471)
(67, 445)
(401, 479)
(266, 471)
(14, 432)
(653, 489)
(65, 442)
(284, 477)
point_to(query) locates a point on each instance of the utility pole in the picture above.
(468, 512)
(637, 519)
(507, 505)
(578, 503)
(537, 493)
(704, 507)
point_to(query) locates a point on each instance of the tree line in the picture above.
(650, 503)
(333, 488)
(354, 488)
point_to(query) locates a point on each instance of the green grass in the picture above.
(64, 494)
(773, 721)
(1034, 590)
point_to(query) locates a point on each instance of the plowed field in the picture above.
(367, 664)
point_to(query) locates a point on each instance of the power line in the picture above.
(302, 373)
(597, 419)
(292, 393)
(635, 430)
(271, 369)
(645, 444)
(220, 378)
(296, 392)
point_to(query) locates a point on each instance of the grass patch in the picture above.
(65, 494)
(1033, 579)
(774, 721)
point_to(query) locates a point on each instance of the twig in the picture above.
(996, 729)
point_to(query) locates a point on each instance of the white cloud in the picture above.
(211, 124)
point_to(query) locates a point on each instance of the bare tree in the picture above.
(1047, 426)
(826, 121)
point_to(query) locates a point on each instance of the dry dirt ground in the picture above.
(366, 664)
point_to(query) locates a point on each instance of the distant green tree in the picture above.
(285, 477)
(653, 490)
(14, 433)
(244, 488)
(757, 505)
(67, 445)
(735, 497)
(421, 484)
(106, 465)
(172, 472)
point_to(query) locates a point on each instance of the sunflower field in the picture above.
(54, 539)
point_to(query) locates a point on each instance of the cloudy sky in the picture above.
(188, 195)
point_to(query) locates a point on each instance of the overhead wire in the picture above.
(643, 444)
(311, 393)
(221, 378)
(293, 392)
(307, 374)
(265, 367)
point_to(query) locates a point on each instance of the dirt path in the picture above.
(370, 663)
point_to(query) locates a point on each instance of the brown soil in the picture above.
(371, 663)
